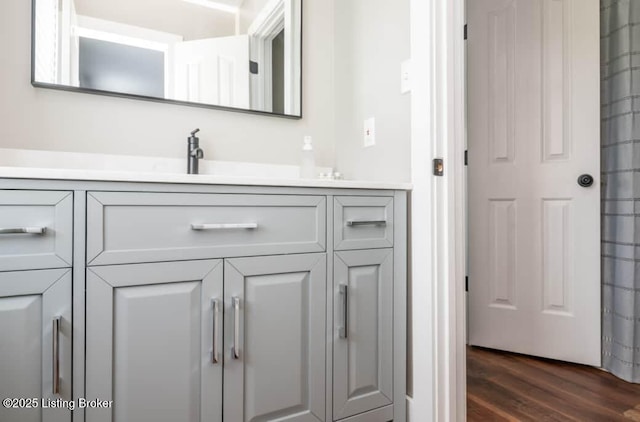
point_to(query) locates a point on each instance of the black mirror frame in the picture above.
(164, 100)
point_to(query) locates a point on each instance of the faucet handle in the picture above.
(194, 132)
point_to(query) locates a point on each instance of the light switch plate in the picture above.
(369, 132)
(405, 77)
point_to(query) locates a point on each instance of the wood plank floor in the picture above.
(509, 387)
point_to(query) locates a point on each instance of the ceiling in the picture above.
(173, 16)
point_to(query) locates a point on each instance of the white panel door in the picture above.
(534, 232)
(213, 71)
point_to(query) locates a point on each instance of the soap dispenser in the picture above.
(308, 167)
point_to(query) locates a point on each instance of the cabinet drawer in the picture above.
(35, 230)
(131, 227)
(363, 222)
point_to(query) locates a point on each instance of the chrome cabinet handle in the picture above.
(235, 349)
(344, 293)
(24, 230)
(202, 227)
(56, 355)
(353, 223)
(216, 311)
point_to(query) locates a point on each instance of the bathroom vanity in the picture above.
(198, 298)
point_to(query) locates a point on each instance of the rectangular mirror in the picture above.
(242, 55)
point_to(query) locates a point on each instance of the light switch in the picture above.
(369, 132)
(405, 77)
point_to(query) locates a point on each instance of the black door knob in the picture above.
(586, 180)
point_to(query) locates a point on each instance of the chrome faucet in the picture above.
(194, 153)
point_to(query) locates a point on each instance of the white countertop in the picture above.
(56, 165)
(204, 179)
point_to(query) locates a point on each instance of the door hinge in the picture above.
(466, 157)
(253, 67)
(466, 284)
(438, 167)
(466, 34)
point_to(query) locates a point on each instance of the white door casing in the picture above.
(276, 16)
(534, 233)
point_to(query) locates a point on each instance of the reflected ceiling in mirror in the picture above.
(235, 54)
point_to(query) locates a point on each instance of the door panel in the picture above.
(533, 94)
(363, 341)
(213, 71)
(29, 302)
(280, 364)
(150, 341)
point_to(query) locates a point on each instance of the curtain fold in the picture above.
(620, 52)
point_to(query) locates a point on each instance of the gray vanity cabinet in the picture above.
(154, 341)
(275, 350)
(35, 345)
(202, 303)
(363, 331)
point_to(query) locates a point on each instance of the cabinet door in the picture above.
(275, 341)
(30, 302)
(150, 342)
(363, 331)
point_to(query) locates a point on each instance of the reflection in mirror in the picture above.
(241, 54)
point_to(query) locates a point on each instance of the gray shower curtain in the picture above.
(620, 50)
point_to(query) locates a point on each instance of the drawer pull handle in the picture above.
(354, 223)
(216, 323)
(344, 294)
(24, 230)
(56, 355)
(235, 349)
(201, 227)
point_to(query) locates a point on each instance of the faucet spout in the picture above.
(197, 153)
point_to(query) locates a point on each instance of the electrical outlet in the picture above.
(369, 132)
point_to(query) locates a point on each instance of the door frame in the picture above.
(272, 19)
(438, 225)
(438, 206)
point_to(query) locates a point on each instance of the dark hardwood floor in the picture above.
(509, 387)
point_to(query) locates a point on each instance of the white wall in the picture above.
(250, 9)
(372, 40)
(36, 118)
(191, 21)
